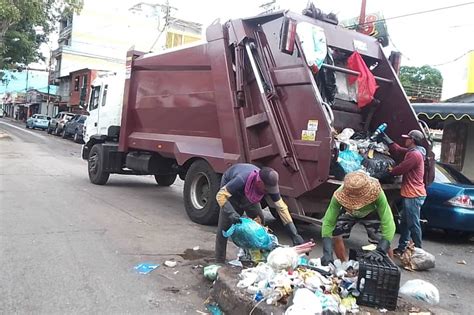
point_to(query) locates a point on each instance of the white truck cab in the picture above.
(105, 105)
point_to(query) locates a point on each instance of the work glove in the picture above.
(327, 252)
(380, 252)
(295, 237)
(386, 139)
(235, 219)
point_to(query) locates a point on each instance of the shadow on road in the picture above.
(452, 237)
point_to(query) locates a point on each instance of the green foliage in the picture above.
(424, 75)
(19, 42)
(421, 82)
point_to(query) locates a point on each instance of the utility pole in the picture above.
(362, 15)
(26, 87)
(166, 24)
(49, 82)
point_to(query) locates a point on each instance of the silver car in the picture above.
(56, 124)
(38, 121)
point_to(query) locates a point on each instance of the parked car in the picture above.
(56, 124)
(74, 127)
(449, 203)
(38, 121)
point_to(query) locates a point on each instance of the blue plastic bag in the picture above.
(350, 161)
(250, 235)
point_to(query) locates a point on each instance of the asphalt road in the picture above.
(67, 246)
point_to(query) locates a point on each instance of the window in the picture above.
(84, 81)
(175, 39)
(94, 103)
(76, 83)
(104, 97)
(83, 93)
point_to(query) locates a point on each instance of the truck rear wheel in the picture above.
(200, 188)
(165, 180)
(95, 165)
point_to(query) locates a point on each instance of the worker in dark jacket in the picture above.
(413, 190)
(359, 200)
(243, 186)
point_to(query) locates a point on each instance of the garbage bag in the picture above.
(422, 260)
(421, 290)
(350, 161)
(379, 166)
(250, 235)
(283, 258)
(417, 259)
(305, 302)
(345, 134)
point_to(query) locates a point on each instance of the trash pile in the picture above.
(285, 276)
(362, 151)
(289, 278)
(283, 273)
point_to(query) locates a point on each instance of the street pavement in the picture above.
(67, 246)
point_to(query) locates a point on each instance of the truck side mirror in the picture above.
(288, 35)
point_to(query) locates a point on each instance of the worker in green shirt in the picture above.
(359, 200)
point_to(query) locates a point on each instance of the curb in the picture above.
(234, 301)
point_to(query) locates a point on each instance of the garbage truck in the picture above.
(252, 92)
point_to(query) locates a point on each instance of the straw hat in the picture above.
(358, 190)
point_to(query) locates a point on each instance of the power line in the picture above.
(418, 13)
(453, 60)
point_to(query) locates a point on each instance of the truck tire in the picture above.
(64, 134)
(95, 166)
(165, 180)
(200, 188)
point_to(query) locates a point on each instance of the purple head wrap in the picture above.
(252, 192)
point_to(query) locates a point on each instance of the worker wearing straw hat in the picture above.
(359, 200)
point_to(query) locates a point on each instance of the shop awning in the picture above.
(445, 111)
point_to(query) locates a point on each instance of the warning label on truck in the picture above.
(308, 135)
(312, 125)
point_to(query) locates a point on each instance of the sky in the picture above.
(432, 38)
(429, 38)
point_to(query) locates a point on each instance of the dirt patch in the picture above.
(191, 254)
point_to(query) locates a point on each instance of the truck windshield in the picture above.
(94, 103)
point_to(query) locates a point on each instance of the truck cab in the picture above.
(105, 107)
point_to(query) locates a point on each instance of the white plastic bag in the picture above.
(305, 302)
(422, 260)
(421, 290)
(283, 258)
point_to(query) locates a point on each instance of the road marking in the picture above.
(22, 129)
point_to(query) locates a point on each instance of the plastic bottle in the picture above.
(378, 131)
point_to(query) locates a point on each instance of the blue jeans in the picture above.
(410, 222)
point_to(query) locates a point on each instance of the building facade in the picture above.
(99, 38)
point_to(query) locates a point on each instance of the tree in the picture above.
(421, 82)
(19, 22)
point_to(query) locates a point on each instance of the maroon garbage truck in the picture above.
(246, 95)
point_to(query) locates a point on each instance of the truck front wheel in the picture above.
(165, 180)
(95, 165)
(200, 188)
